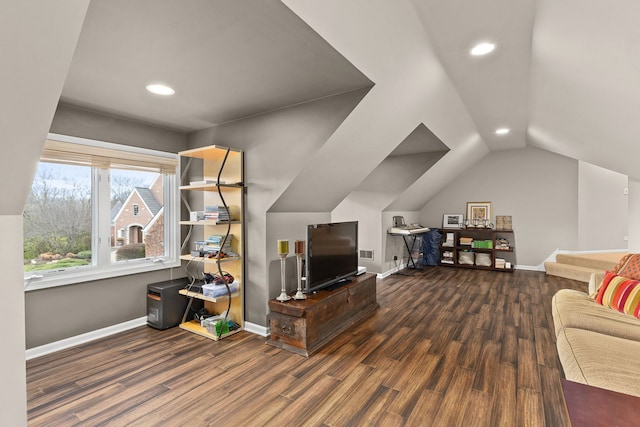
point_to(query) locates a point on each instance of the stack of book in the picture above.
(500, 263)
(448, 240)
(466, 241)
(219, 213)
(214, 242)
(447, 257)
(502, 243)
(483, 244)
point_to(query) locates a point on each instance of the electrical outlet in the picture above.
(395, 257)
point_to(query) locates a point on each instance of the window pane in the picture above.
(57, 218)
(137, 225)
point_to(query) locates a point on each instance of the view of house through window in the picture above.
(136, 208)
(92, 207)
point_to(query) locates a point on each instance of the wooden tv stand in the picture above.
(304, 326)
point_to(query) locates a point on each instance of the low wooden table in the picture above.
(593, 406)
(304, 326)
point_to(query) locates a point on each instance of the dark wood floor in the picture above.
(447, 347)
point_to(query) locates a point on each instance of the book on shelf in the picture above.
(448, 240)
(447, 257)
(482, 244)
(502, 243)
(465, 240)
(220, 213)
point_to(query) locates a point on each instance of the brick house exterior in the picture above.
(140, 219)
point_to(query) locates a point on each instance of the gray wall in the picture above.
(537, 188)
(292, 227)
(367, 202)
(277, 145)
(603, 208)
(85, 307)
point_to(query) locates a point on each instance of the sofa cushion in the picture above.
(620, 293)
(574, 309)
(600, 360)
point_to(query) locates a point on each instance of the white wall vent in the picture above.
(366, 254)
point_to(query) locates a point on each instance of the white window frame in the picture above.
(101, 267)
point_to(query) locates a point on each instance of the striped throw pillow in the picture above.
(620, 293)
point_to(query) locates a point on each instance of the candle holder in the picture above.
(299, 250)
(283, 251)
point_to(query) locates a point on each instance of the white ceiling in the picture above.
(563, 76)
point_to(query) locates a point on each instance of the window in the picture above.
(99, 210)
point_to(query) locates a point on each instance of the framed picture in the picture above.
(478, 213)
(452, 221)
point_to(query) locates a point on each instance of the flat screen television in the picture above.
(332, 254)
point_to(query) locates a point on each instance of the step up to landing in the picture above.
(580, 266)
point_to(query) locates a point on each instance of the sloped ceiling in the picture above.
(585, 82)
(226, 60)
(563, 76)
(37, 42)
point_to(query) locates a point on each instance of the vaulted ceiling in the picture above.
(563, 76)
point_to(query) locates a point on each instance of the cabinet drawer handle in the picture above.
(287, 330)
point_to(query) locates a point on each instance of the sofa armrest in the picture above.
(594, 281)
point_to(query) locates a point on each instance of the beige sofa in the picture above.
(596, 345)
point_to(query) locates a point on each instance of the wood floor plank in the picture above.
(505, 403)
(453, 406)
(487, 373)
(411, 364)
(528, 376)
(509, 353)
(425, 409)
(445, 369)
(410, 390)
(531, 408)
(479, 409)
(553, 397)
(350, 412)
(446, 347)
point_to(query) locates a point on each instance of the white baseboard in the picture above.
(42, 350)
(390, 272)
(263, 331)
(530, 267)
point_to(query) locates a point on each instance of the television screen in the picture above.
(332, 254)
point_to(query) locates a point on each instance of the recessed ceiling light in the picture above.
(160, 89)
(502, 131)
(482, 48)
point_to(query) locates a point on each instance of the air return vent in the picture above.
(366, 254)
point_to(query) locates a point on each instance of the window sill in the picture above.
(91, 274)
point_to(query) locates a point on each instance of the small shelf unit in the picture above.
(213, 163)
(460, 248)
